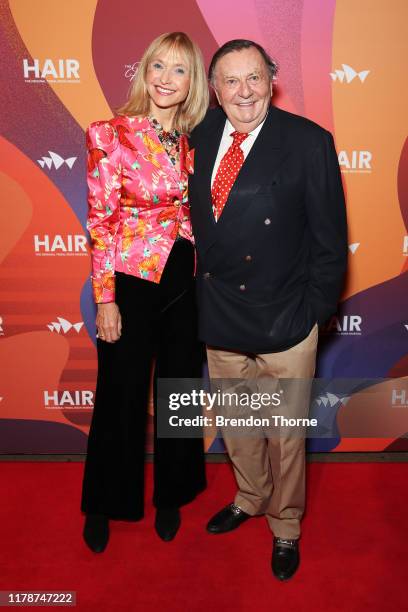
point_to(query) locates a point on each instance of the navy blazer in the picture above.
(273, 265)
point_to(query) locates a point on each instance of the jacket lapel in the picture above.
(258, 169)
(154, 150)
(205, 157)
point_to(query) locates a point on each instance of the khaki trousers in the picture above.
(270, 471)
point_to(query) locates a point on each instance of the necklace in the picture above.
(169, 140)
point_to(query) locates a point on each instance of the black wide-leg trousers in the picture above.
(159, 322)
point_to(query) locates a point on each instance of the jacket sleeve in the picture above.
(326, 213)
(104, 184)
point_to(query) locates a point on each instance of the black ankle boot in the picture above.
(167, 523)
(96, 532)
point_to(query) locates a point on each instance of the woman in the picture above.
(142, 277)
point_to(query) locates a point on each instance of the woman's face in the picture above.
(167, 80)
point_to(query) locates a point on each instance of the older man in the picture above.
(270, 226)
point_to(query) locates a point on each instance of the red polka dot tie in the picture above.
(227, 172)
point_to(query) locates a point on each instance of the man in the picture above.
(269, 221)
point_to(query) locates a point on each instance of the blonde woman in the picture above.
(143, 285)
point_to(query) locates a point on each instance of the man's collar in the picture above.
(229, 128)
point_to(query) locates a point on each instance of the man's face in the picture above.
(243, 87)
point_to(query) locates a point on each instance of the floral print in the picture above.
(137, 200)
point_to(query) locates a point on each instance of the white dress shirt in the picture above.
(227, 140)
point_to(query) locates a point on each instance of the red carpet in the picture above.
(354, 546)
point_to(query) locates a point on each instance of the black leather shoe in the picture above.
(96, 532)
(227, 519)
(285, 558)
(167, 523)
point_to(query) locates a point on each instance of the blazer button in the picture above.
(267, 221)
(248, 258)
(242, 287)
(206, 275)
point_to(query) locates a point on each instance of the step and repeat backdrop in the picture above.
(65, 64)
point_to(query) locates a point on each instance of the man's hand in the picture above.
(109, 322)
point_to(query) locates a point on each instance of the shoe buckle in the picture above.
(286, 542)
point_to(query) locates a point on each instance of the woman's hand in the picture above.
(109, 322)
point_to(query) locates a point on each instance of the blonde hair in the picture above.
(190, 112)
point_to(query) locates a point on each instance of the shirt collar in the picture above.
(254, 133)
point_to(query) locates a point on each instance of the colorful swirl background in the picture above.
(324, 49)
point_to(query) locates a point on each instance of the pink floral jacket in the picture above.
(137, 202)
